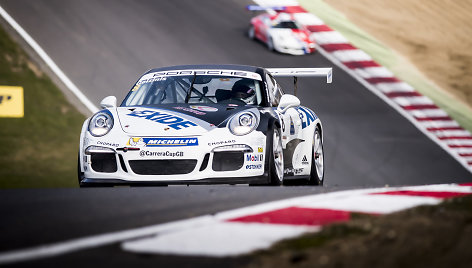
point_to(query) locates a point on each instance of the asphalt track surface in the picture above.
(103, 46)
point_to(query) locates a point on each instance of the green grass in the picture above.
(388, 58)
(39, 150)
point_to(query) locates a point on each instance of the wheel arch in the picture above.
(269, 122)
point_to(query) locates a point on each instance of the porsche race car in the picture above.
(194, 124)
(281, 32)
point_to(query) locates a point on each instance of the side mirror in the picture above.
(287, 101)
(108, 102)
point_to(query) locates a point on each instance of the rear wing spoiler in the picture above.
(303, 72)
(265, 8)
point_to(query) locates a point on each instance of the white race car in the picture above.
(281, 32)
(204, 124)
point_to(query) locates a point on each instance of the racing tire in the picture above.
(270, 44)
(251, 33)
(80, 174)
(317, 159)
(276, 158)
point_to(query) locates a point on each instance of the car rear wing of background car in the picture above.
(272, 10)
(302, 72)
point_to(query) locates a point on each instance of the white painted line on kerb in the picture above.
(371, 72)
(395, 87)
(405, 101)
(428, 113)
(459, 142)
(219, 239)
(44, 56)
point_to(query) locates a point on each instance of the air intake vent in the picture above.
(227, 161)
(104, 162)
(205, 162)
(163, 167)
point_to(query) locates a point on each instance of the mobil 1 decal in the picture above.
(307, 116)
(251, 158)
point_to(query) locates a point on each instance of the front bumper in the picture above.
(308, 48)
(227, 159)
(117, 182)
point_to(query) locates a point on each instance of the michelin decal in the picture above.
(163, 142)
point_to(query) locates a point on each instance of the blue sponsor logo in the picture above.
(254, 166)
(170, 120)
(307, 116)
(254, 157)
(170, 142)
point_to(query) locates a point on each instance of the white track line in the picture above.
(44, 56)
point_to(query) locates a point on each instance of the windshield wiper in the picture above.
(189, 92)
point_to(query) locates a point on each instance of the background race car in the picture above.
(281, 32)
(204, 124)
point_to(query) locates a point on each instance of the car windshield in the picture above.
(286, 25)
(155, 88)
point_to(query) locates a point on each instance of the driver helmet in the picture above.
(242, 90)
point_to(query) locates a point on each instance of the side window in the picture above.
(278, 93)
(275, 91)
(270, 90)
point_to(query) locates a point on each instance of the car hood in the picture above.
(286, 36)
(175, 119)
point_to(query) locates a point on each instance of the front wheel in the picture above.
(80, 174)
(276, 160)
(270, 44)
(317, 159)
(251, 32)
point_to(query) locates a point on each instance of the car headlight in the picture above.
(243, 123)
(101, 123)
